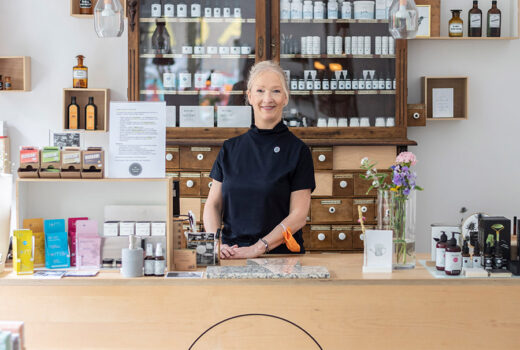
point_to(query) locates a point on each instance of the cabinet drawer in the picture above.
(306, 235)
(205, 184)
(322, 158)
(341, 237)
(331, 210)
(357, 243)
(189, 184)
(174, 175)
(321, 237)
(368, 209)
(200, 158)
(361, 186)
(172, 158)
(342, 184)
(323, 184)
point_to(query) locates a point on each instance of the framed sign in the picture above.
(424, 14)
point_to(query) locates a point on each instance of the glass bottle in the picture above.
(160, 263)
(108, 19)
(475, 21)
(456, 24)
(79, 74)
(494, 20)
(348, 82)
(161, 39)
(237, 10)
(149, 261)
(182, 9)
(90, 115)
(307, 9)
(195, 9)
(332, 9)
(285, 9)
(85, 7)
(208, 10)
(296, 9)
(319, 10)
(8, 84)
(1, 83)
(217, 11)
(227, 9)
(73, 114)
(156, 9)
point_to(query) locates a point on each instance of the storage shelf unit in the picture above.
(74, 8)
(196, 19)
(460, 95)
(19, 69)
(101, 100)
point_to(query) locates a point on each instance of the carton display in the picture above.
(56, 244)
(158, 228)
(29, 162)
(498, 227)
(111, 229)
(88, 244)
(50, 162)
(71, 163)
(127, 228)
(23, 253)
(93, 160)
(72, 222)
(142, 228)
(36, 226)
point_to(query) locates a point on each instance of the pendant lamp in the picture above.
(403, 21)
(108, 18)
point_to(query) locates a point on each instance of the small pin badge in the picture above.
(276, 149)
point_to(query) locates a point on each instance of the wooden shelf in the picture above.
(192, 92)
(468, 38)
(445, 119)
(101, 100)
(334, 21)
(334, 56)
(19, 69)
(196, 20)
(193, 56)
(90, 180)
(460, 95)
(341, 92)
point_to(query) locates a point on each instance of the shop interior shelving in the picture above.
(19, 69)
(74, 8)
(101, 100)
(460, 95)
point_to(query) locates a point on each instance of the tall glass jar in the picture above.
(402, 222)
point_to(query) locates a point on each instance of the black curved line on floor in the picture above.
(266, 315)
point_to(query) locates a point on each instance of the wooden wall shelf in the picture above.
(101, 100)
(19, 69)
(74, 8)
(460, 95)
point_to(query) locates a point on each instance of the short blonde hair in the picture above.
(265, 66)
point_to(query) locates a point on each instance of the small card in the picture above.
(234, 116)
(442, 103)
(200, 80)
(378, 251)
(197, 116)
(171, 117)
(184, 274)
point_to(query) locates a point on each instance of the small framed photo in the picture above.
(378, 251)
(424, 14)
(63, 139)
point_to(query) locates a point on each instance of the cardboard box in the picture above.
(36, 226)
(71, 225)
(184, 260)
(93, 163)
(127, 228)
(111, 229)
(29, 162)
(50, 165)
(71, 163)
(485, 229)
(23, 258)
(158, 228)
(142, 228)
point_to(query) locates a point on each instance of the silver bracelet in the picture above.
(265, 243)
(283, 227)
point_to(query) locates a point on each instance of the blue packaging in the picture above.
(57, 253)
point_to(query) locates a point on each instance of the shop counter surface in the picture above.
(408, 309)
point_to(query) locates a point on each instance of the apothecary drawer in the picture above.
(205, 184)
(357, 242)
(341, 237)
(331, 210)
(322, 158)
(368, 209)
(321, 237)
(189, 184)
(306, 235)
(172, 158)
(342, 184)
(199, 158)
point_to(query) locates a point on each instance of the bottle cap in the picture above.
(158, 250)
(452, 242)
(456, 11)
(149, 249)
(444, 238)
(465, 248)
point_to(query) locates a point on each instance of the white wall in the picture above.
(471, 163)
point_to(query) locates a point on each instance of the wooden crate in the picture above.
(460, 95)
(101, 100)
(19, 69)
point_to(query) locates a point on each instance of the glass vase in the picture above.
(403, 19)
(383, 210)
(402, 222)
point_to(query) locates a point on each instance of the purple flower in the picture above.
(406, 191)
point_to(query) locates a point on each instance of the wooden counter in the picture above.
(404, 310)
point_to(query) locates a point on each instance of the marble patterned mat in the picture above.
(267, 272)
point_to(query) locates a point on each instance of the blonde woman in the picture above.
(263, 179)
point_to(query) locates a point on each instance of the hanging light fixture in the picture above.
(403, 21)
(108, 18)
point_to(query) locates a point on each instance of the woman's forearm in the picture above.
(212, 218)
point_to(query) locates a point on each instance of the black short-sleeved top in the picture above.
(258, 171)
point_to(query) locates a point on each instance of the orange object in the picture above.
(290, 242)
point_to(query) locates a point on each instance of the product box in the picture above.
(93, 160)
(23, 253)
(71, 163)
(142, 228)
(72, 227)
(111, 229)
(498, 227)
(158, 228)
(88, 244)
(127, 228)
(184, 260)
(36, 226)
(50, 162)
(56, 244)
(29, 162)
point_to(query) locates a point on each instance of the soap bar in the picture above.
(475, 272)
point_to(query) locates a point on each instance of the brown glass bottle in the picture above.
(73, 114)
(494, 20)
(90, 115)
(456, 24)
(453, 264)
(1, 83)
(149, 261)
(160, 262)
(475, 21)
(85, 7)
(80, 74)
(8, 85)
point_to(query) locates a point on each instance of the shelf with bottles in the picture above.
(194, 56)
(15, 73)
(440, 14)
(192, 92)
(195, 10)
(196, 20)
(82, 97)
(298, 56)
(340, 92)
(333, 21)
(90, 5)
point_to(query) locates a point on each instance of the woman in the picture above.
(263, 179)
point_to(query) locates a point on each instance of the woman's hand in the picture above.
(227, 252)
(250, 252)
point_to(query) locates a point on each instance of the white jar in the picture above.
(346, 10)
(296, 9)
(364, 9)
(338, 45)
(319, 10)
(304, 45)
(332, 9)
(182, 10)
(285, 9)
(156, 9)
(348, 41)
(316, 45)
(307, 9)
(195, 10)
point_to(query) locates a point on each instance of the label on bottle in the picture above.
(388, 84)
(85, 4)
(78, 74)
(317, 84)
(475, 20)
(361, 84)
(226, 12)
(159, 267)
(477, 261)
(184, 81)
(307, 10)
(332, 10)
(169, 80)
(325, 84)
(341, 85)
(285, 10)
(182, 10)
(466, 262)
(301, 84)
(207, 12)
(200, 80)
(309, 85)
(1, 85)
(456, 28)
(294, 85)
(8, 85)
(333, 84)
(237, 12)
(453, 262)
(216, 12)
(440, 257)
(73, 117)
(169, 10)
(319, 10)
(156, 10)
(149, 267)
(348, 84)
(195, 10)
(355, 84)
(91, 119)
(494, 20)
(368, 84)
(346, 10)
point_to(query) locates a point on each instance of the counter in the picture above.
(404, 310)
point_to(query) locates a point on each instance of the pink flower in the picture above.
(406, 157)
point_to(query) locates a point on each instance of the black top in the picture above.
(258, 171)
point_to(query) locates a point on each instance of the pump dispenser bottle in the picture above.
(440, 252)
(453, 257)
(466, 258)
(477, 257)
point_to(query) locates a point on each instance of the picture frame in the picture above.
(377, 253)
(63, 139)
(424, 17)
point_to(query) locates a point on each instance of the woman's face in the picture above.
(268, 99)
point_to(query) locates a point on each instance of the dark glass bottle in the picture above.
(73, 114)
(456, 24)
(1, 83)
(149, 261)
(475, 21)
(466, 258)
(477, 257)
(488, 257)
(440, 252)
(90, 115)
(453, 257)
(494, 20)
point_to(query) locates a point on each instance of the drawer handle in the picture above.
(321, 236)
(342, 236)
(210, 184)
(169, 157)
(322, 157)
(332, 210)
(189, 183)
(343, 184)
(364, 209)
(200, 156)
